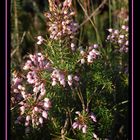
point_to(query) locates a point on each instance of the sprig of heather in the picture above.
(36, 64)
(88, 56)
(33, 113)
(60, 77)
(61, 23)
(119, 37)
(33, 104)
(81, 121)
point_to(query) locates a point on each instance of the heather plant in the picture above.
(69, 88)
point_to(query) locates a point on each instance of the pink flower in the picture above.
(95, 136)
(67, 3)
(70, 83)
(69, 77)
(81, 121)
(82, 52)
(110, 30)
(76, 78)
(90, 59)
(92, 116)
(82, 61)
(19, 87)
(121, 36)
(84, 129)
(40, 40)
(124, 27)
(27, 65)
(127, 43)
(78, 113)
(16, 80)
(41, 120)
(75, 125)
(79, 126)
(22, 109)
(36, 89)
(44, 114)
(28, 118)
(72, 46)
(54, 82)
(47, 100)
(95, 46)
(43, 92)
(62, 82)
(16, 91)
(36, 109)
(95, 52)
(116, 32)
(27, 123)
(47, 103)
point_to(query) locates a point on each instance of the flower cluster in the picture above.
(40, 40)
(119, 37)
(81, 121)
(72, 46)
(90, 55)
(32, 109)
(61, 23)
(33, 112)
(73, 79)
(59, 76)
(16, 89)
(34, 106)
(37, 62)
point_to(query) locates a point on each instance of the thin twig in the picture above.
(94, 13)
(16, 49)
(96, 30)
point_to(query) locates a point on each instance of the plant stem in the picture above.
(81, 98)
(16, 30)
(110, 18)
(96, 30)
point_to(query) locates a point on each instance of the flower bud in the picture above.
(19, 87)
(116, 32)
(41, 120)
(75, 125)
(22, 109)
(27, 123)
(76, 78)
(82, 61)
(27, 118)
(36, 109)
(84, 129)
(110, 30)
(44, 114)
(70, 77)
(54, 82)
(123, 27)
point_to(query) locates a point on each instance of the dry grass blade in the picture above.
(16, 49)
(94, 13)
(89, 19)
